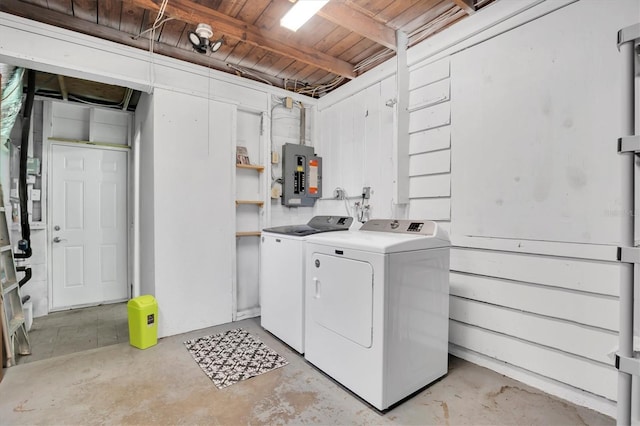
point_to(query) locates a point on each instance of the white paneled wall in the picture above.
(526, 167)
(193, 209)
(430, 142)
(356, 142)
(534, 300)
(547, 314)
(284, 125)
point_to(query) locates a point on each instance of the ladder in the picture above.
(14, 329)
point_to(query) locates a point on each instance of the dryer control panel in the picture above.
(402, 226)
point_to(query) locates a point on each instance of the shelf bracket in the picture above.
(629, 365)
(628, 254)
(628, 34)
(629, 144)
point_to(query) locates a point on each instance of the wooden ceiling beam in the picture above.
(356, 21)
(47, 16)
(63, 88)
(195, 13)
(466, 5)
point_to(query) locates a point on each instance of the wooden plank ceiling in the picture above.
(345, 39)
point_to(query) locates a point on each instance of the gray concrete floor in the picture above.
(119, 384)
(77, 330)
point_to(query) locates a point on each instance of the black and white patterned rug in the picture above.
(232, 356)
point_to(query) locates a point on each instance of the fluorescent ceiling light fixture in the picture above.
(301, 12)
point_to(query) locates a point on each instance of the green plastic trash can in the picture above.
(143, 321)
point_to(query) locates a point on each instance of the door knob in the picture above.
(58, 239)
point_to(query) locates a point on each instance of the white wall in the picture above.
(192, 162)
(143, 144)
(59, 120)
(534, 125)
(356, 141)
(541, 312)
(430, 142)
(181, 261)
(285, 128)
(526, 96)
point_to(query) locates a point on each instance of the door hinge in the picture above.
(629, 144)
(628, 254)
(627, 34)
(628, 365)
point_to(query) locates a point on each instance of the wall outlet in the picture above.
(366, 192)
(275, 192)
(288, 102)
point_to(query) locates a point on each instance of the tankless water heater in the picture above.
(301, 175)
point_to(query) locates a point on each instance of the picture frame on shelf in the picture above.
(242, 155)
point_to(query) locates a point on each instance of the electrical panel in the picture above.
(301, 175)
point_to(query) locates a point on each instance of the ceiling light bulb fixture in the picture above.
(200, 39)
(301, 12)
(217, 44)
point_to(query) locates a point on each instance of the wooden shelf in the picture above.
(256, 202)
(248, 234)
(259, 169)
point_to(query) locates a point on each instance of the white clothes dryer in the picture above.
(377, 307)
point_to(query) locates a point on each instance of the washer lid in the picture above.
(316, 225)
(382, 242)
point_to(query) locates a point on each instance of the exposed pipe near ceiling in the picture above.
(303, 124)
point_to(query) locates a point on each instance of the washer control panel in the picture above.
(402, 226)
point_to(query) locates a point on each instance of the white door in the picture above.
(89, 225)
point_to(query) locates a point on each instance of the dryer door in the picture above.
(342, 297)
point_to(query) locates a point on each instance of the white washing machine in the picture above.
(282, 276)
(377, 307)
